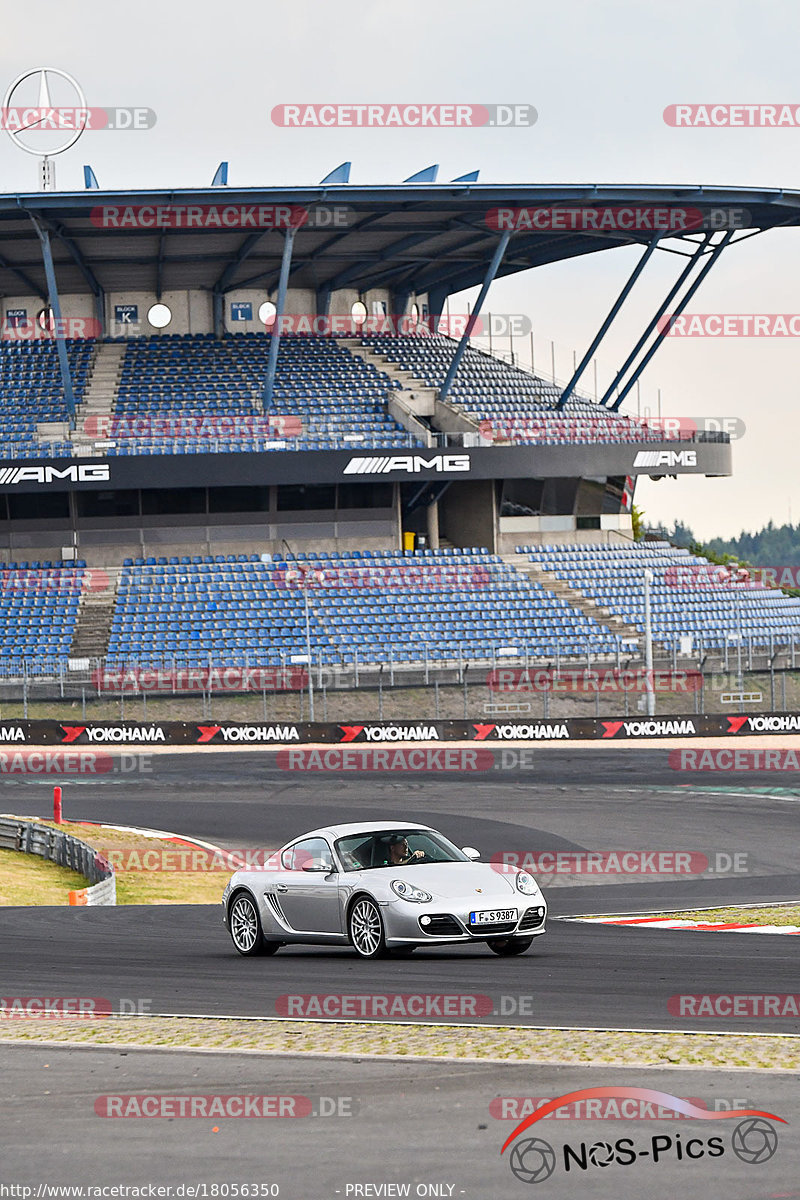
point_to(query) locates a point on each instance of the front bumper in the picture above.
(439, 923)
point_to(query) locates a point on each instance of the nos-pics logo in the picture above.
(754, 1139)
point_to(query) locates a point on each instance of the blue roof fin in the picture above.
(427, 176)
(340, 174)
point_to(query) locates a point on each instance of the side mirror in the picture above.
(320, 870)
(471, 852)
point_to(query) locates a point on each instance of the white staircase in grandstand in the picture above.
(93, 419)
(419, 397)
(573, 596)
(96, 607)
(415, 400)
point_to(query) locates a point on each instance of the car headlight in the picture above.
(407, 891)
(527, 884)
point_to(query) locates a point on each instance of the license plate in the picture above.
(493, 916)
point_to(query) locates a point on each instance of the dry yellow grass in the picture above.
(26, 879)
(136, 886)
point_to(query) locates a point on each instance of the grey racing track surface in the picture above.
(406, 1123)
(180, 959)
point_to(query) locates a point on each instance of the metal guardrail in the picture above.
(67, 851)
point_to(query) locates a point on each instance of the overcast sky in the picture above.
(600, 76)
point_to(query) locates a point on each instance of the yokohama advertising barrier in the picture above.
(233, 733)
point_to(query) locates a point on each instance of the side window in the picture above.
(313, 852)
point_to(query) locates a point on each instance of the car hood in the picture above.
(449, 880)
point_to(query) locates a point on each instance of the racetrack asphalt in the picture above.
(434, 1128)
(180, 960)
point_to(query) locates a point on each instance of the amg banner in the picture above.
(132, 471)
(146, 734)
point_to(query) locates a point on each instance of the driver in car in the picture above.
(399, 852)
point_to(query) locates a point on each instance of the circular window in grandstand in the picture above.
(267, 313)
(359, 312)
(159, 315)
(45, 319)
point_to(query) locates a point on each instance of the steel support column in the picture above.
(437, 298)
(494, 267)
(662, 333)
(55, 307)
(670, 296)
(604, 328)
(323, 302)
(218, 301)
(275, 338)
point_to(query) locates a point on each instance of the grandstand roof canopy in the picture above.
(408, 237)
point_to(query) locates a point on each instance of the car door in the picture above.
(308, 893)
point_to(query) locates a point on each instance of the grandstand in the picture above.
(333, 396)
(204, 460)
(39, 605)
(376, 608)
(506, 403)
(33, 409)
(683, 603)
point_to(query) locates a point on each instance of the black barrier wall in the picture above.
(235, 733)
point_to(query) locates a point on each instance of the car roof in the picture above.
(365, 827)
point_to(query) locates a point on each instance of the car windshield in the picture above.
(396, 848)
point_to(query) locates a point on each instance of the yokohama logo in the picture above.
(537, 730)
(785, 723)
(650, 728)
(114, 733)
(83, 473)
(666, 458)
(412, 464)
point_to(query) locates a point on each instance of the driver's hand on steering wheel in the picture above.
(416, 854)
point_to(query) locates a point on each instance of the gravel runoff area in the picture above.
(373, 1040)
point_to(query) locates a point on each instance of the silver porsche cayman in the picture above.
(381, 888)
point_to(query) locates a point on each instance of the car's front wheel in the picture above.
(508, 946)
(365, 928)
(245, 926)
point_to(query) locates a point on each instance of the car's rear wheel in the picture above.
(365, 928)
(245, 927)
(508, 946)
